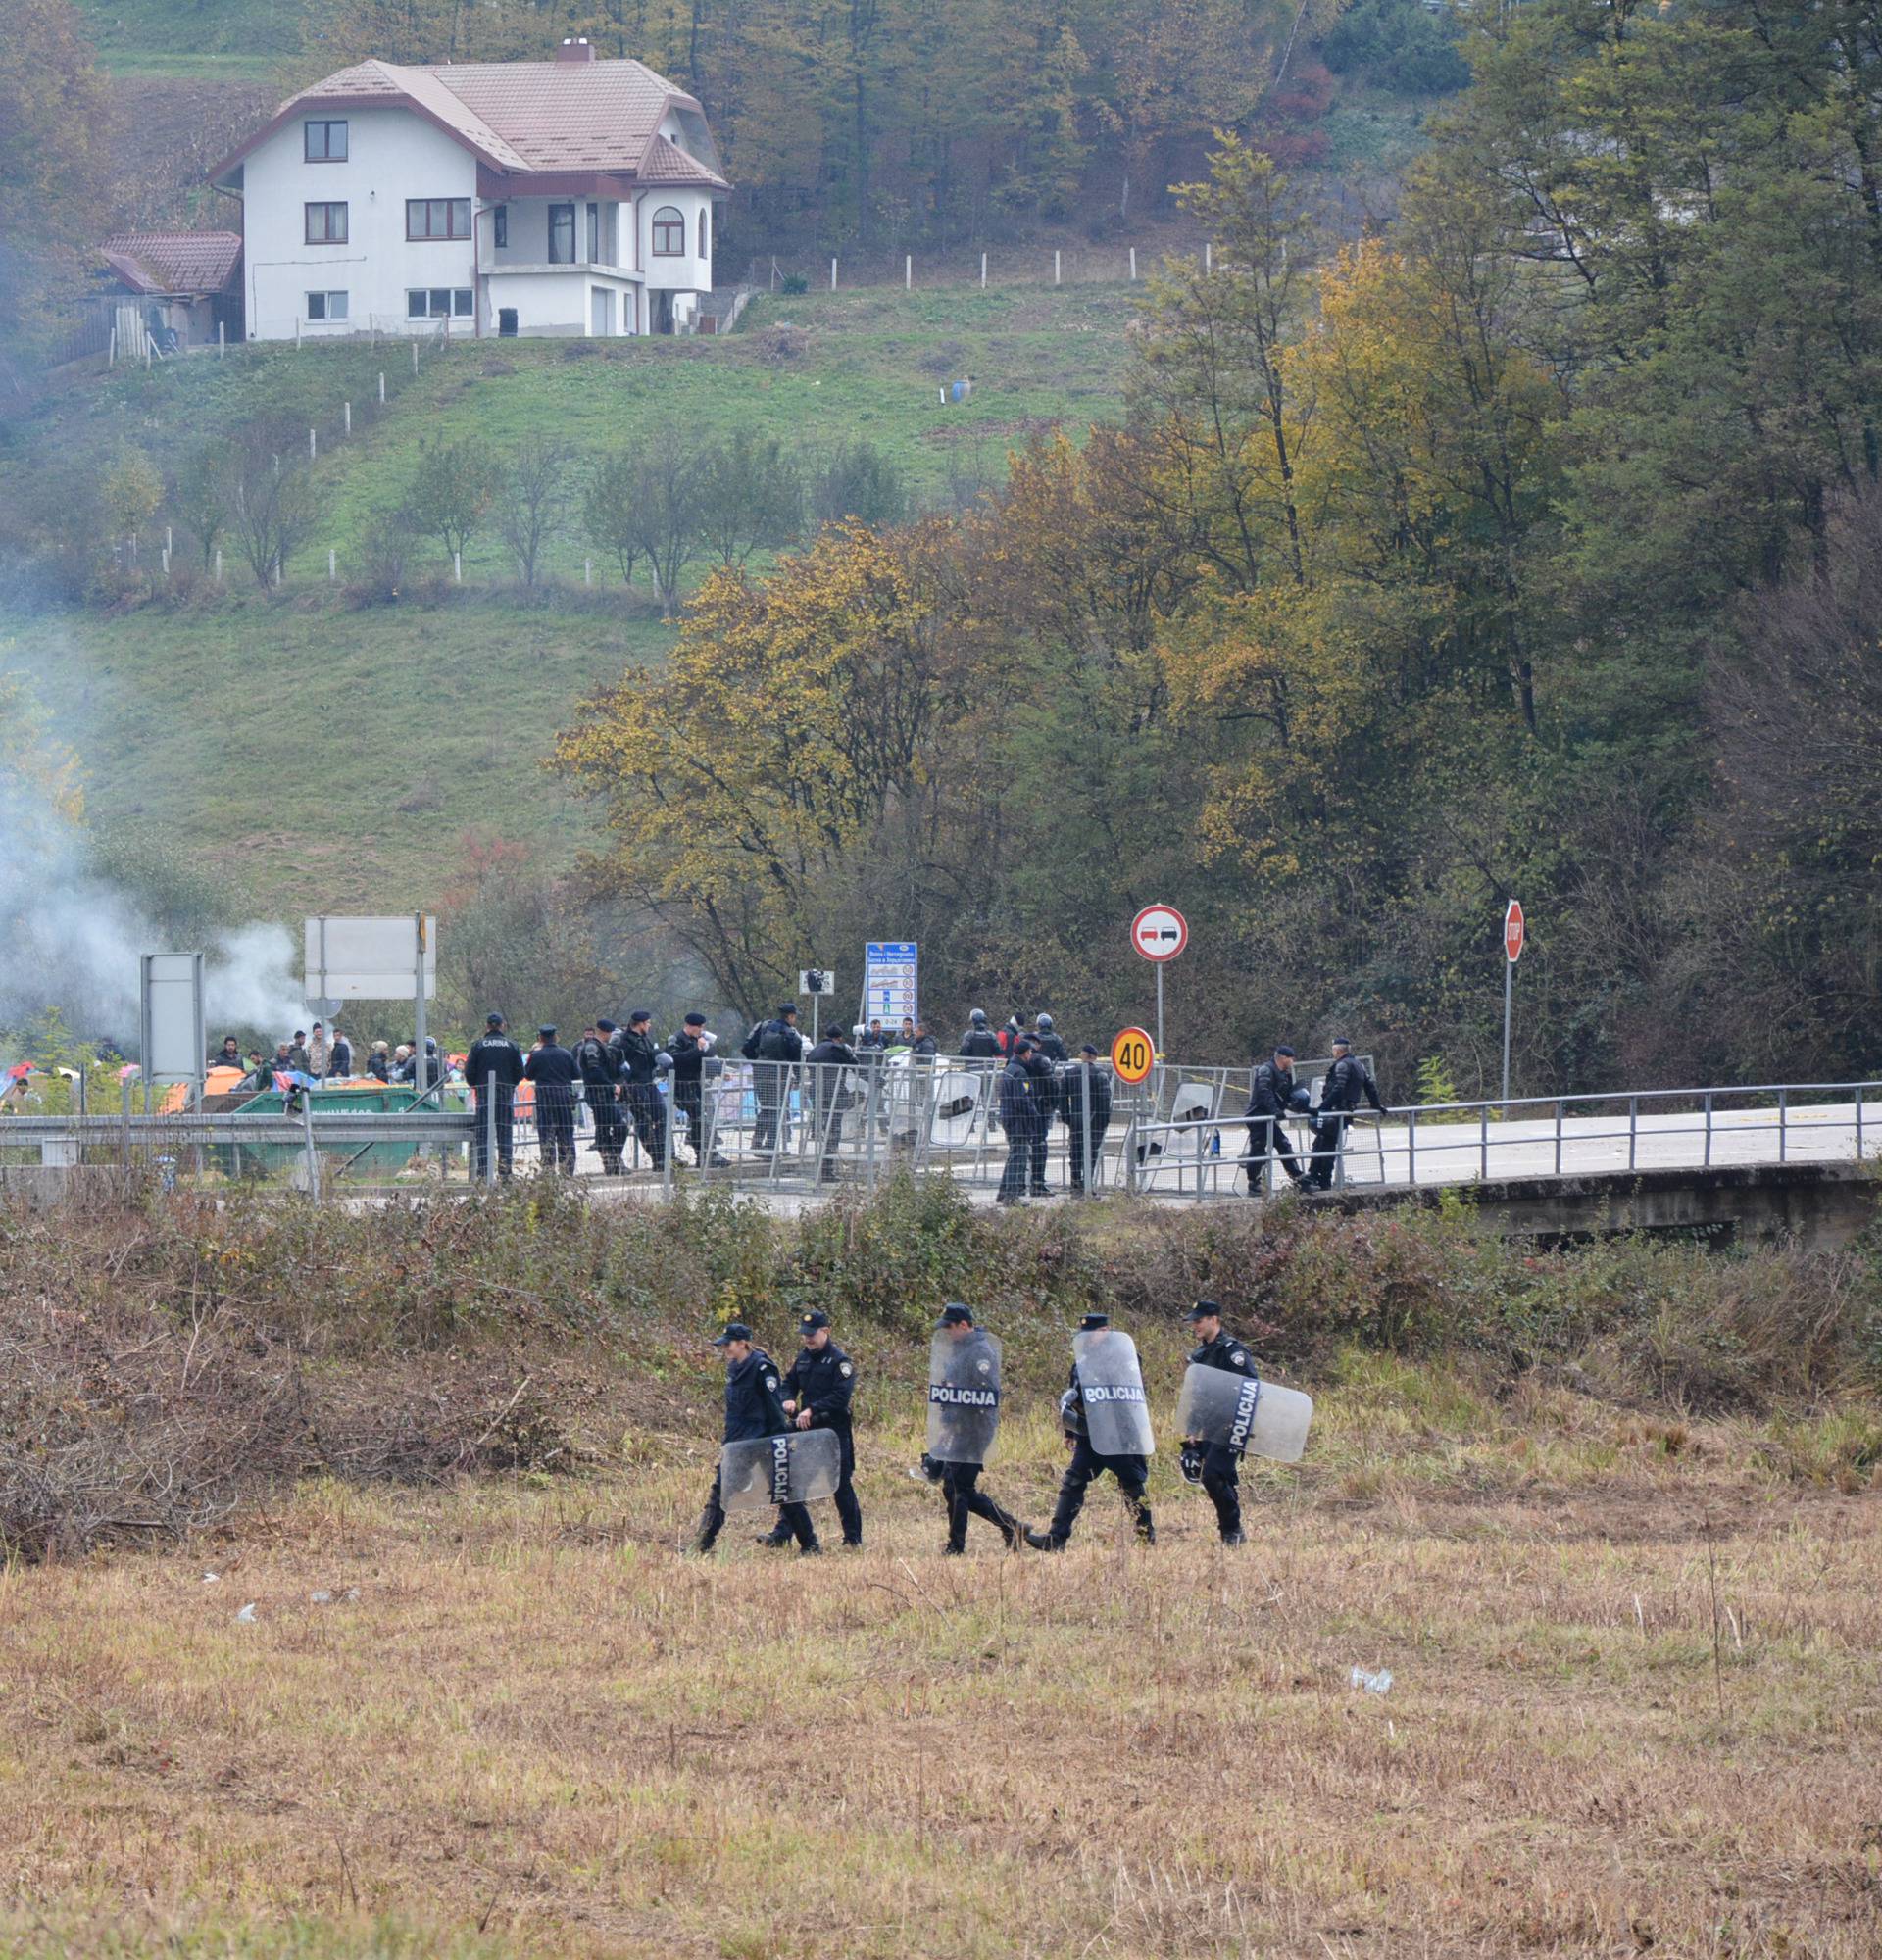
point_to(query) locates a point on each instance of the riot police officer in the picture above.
(598, 1061)
(980, 1043)
(1049, 1042)
(1084, 1088)
(493, 1067)
(1131, 1468)
(1212, 1464)
(957, 1468)
(816, 1396)
(772, 1047)
(753, 1411)
(640, 1069)
(1347, 1080)
(1019, 1117)
(552, 1068)
(830, 1096)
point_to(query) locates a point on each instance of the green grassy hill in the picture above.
(324, 751)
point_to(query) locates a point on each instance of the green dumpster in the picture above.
(358, 1160)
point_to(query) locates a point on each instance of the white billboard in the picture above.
(371, 958)
(174, 1035)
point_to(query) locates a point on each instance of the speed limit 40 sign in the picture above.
(1133, 1055)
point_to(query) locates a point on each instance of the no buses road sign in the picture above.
(1512, 932)
(1133, 1055)
(1160, 932)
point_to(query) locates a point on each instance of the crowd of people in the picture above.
(773, 1416)
(628, 1081)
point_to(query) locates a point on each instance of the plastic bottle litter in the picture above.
(246, 1617)
(212, 1577)
(319, 1599)
(1374, 1683)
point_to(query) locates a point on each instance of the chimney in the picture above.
(575, 50)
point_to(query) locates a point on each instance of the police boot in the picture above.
(707, 1536)
(1232, 1537)
(811, 1551)
(776, 1539)
(1042, 1541)
(1146, 1524)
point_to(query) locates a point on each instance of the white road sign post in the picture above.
(376, 959)
(172, 1035)
(817, 982)
(1512, 937)
(1159, 933)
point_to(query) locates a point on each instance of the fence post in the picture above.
(1209, 257)
(169, 541)
(346, 410)
(219, 565)
(221, 338)
(907, 271)
(166, 556)
(1054, 265)
(1411, 1146)
(457, 566)
(983, 272)
(1633, 1130)
(1783, 1112)
(126, 1086)
(1133, 265)
(588, 571)
(487, 1116)
(415, 354)
(312, 1158)
(1483, 1141)
(332, 564)
(297, 336)
(1558, 1136)
(313, 446)
(1858, 1118)
(381, 390)
(1708, 1128)
(832, 276)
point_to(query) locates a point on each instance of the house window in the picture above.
(499, 227)
(669, 233)
(326, 224)
(594, 234)
(703, 252)
(325, 142)
(327, 305)
(437, 303)
(437, 217)
(562, 235)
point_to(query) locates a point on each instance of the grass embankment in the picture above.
(1609, 1520)
(323, 752)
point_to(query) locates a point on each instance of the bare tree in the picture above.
(666, 511)
(450, 494)
(607, 514)
(268, 500)
(530, 499)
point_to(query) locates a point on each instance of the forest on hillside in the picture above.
(1532, 548)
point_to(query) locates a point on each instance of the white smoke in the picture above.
(70, 938)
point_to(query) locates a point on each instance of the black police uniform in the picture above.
(775, 1047)
(1268, 1105)
(1341, 1088)
(1220, 1478)
(494, 1055)
(552, 1068)
(753, 1410)
(981, 1044)
(823, 1380)
(598, 1062)
(1045, 1104)
(1051, 1047)
(1072, 1099)
(639, 1068)
(1132, 1472)
(1018, 1120)
(830, 1098)
(691, 1052)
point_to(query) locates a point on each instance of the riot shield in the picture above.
(796, 1468)
(1117, 1408)
(964, 1397)
(1237, 1412)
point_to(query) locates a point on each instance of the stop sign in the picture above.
(1512, 932)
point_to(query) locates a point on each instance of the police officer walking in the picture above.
(753, 1411)
(692, 1049)
(1270, 1100)
(493, 1067)
(552, 1068)
(640, 1065)
(816, 1396)
(1347, 1081)
(959, 1471)
(1130, 1467)
(598, 1062)
(1017, 1092)
(772, 1046)
(1212, 1464)
(829, 1097)
(1084, 1086)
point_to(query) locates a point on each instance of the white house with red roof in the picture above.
(572, 196)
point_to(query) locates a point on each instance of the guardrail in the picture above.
(787, 1127)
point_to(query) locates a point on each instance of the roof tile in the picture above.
(174, 261)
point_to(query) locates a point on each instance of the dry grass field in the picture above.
(1636, 1706)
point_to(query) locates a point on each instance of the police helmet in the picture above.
(1045, 1020)
(979, 1018)
(1299, 1101)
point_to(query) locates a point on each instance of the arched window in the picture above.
(669, 233)
(705, 245)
